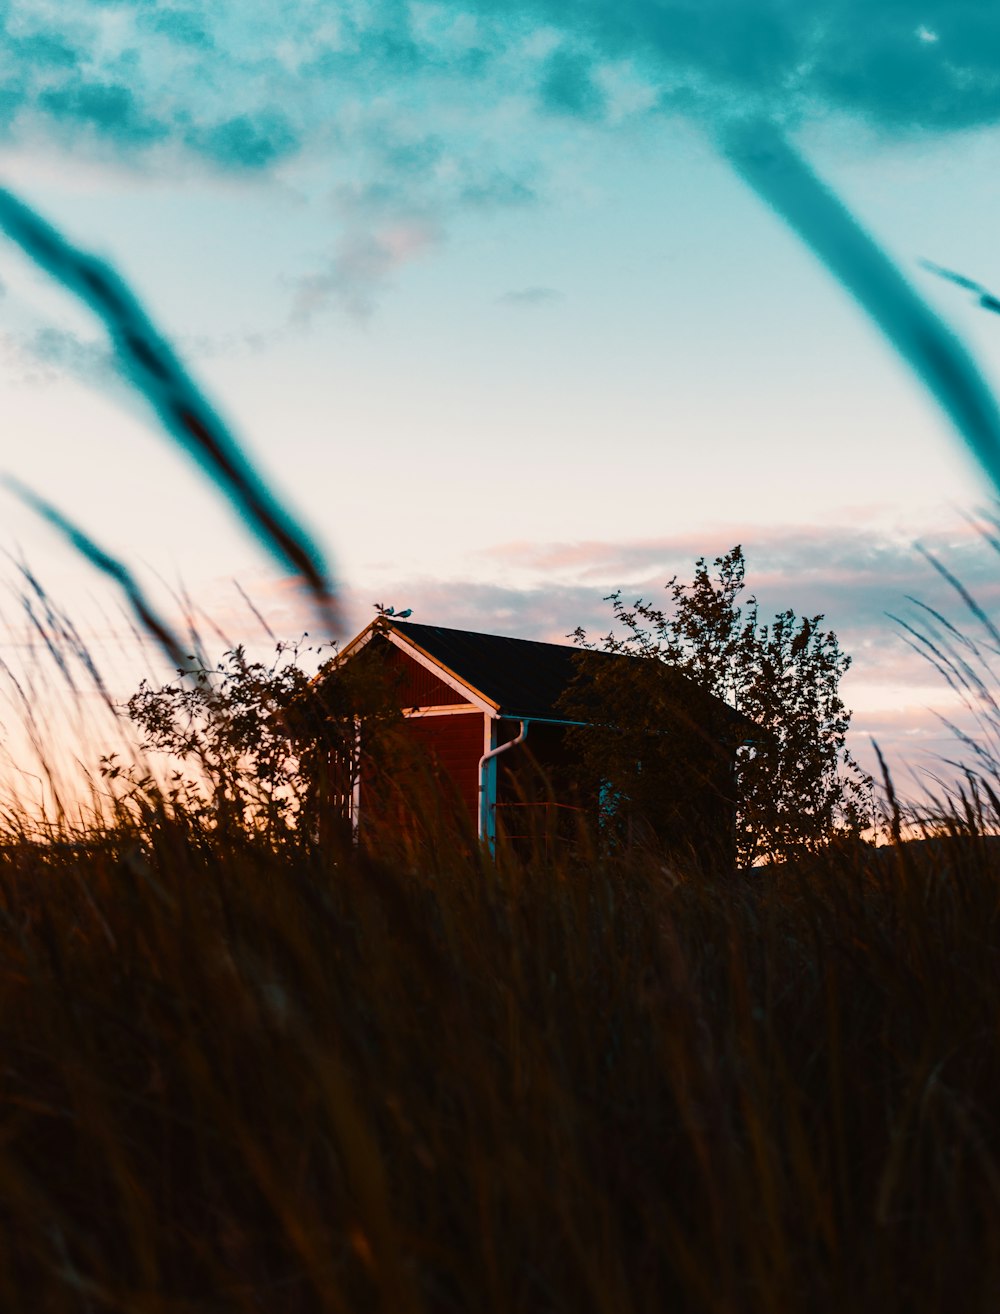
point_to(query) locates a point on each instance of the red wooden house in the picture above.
(485, 709)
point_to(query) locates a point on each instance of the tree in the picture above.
(797, 785)
(262, 743)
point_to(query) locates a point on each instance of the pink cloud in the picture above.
(363, 258)
(854, 577)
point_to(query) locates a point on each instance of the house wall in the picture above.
(538, 785)
(455, 744)
(523, 771)
(417, 686)
(430, 756)
(427, 750)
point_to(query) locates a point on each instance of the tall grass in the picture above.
(237, 1078)
(243, 1071)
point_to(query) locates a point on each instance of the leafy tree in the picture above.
(797, 785)
(263, 743)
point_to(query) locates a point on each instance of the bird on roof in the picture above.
(404, 615)
(384, 611)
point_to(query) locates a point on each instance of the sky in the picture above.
(496, 306)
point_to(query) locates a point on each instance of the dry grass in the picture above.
(238, 1077)
(243, 1072)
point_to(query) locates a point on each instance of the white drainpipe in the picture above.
(494, 752)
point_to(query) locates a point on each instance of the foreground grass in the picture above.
(239, 1078)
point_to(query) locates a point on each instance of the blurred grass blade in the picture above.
(110, 566)
(984, 297)
(783, 179)
(150, 364)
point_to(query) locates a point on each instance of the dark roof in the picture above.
(522, 676)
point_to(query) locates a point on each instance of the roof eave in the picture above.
(436, 661)
(398, 637)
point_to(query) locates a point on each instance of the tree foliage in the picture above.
(797, 785)
(254, 740)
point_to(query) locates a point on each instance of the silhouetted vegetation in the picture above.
(246, 1067)
(261, 744)
(796, 785)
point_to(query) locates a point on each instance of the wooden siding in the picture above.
(455, 743)
(419, 687)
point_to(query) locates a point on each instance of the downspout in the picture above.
(486, 757)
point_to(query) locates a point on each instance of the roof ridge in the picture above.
(486, 634)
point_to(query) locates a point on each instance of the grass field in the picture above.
(245, 1071)
(247, 1075)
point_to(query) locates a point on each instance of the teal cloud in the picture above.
(243, 84)
(568, 86)
(246, 142)
(109, 108)
(399, 99)
(901, 68)
(186, 27)
(44, 50)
